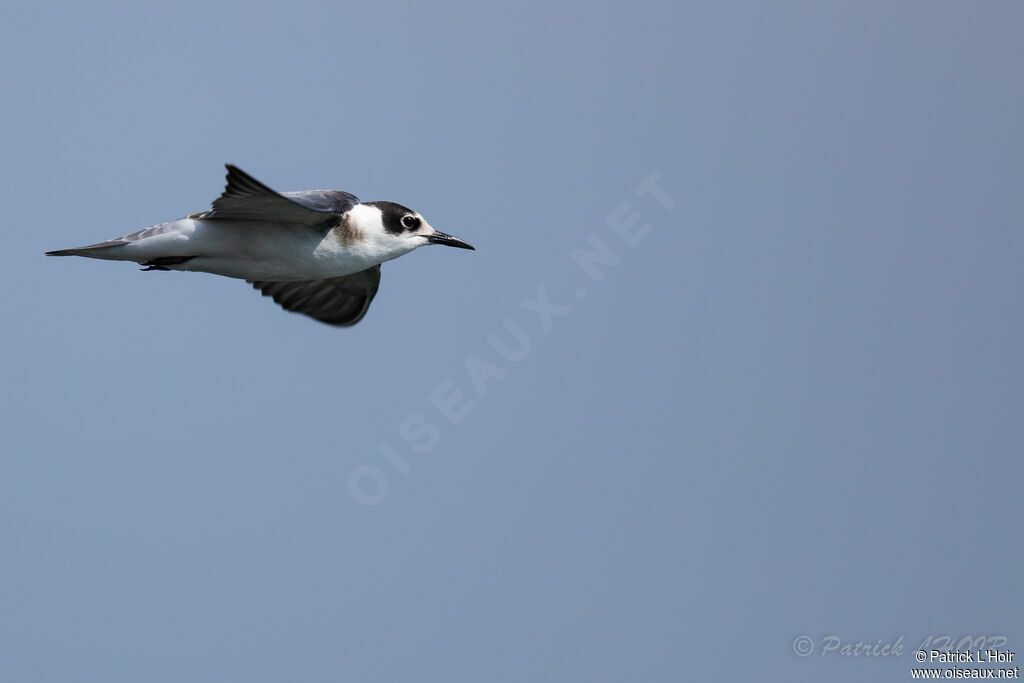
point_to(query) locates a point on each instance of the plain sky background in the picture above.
(794, 408)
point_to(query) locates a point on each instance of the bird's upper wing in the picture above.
(338, 301)
(246, 198)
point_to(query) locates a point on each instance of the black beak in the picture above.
(448, 241)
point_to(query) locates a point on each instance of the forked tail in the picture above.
(104, 250)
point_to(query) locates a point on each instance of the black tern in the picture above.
(316, 252)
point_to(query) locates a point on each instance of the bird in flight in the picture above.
(316, 252)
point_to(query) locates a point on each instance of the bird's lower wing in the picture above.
(340, 301)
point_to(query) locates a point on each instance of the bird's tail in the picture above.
(105, 250)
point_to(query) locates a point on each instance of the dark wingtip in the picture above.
(233, 171)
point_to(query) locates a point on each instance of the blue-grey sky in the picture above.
(790, 405)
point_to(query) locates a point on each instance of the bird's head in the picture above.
(393, 230)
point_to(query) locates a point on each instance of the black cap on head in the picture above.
(392, 215)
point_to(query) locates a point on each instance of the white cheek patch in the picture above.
(367, 219)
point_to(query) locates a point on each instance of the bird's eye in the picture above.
(410, 222)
